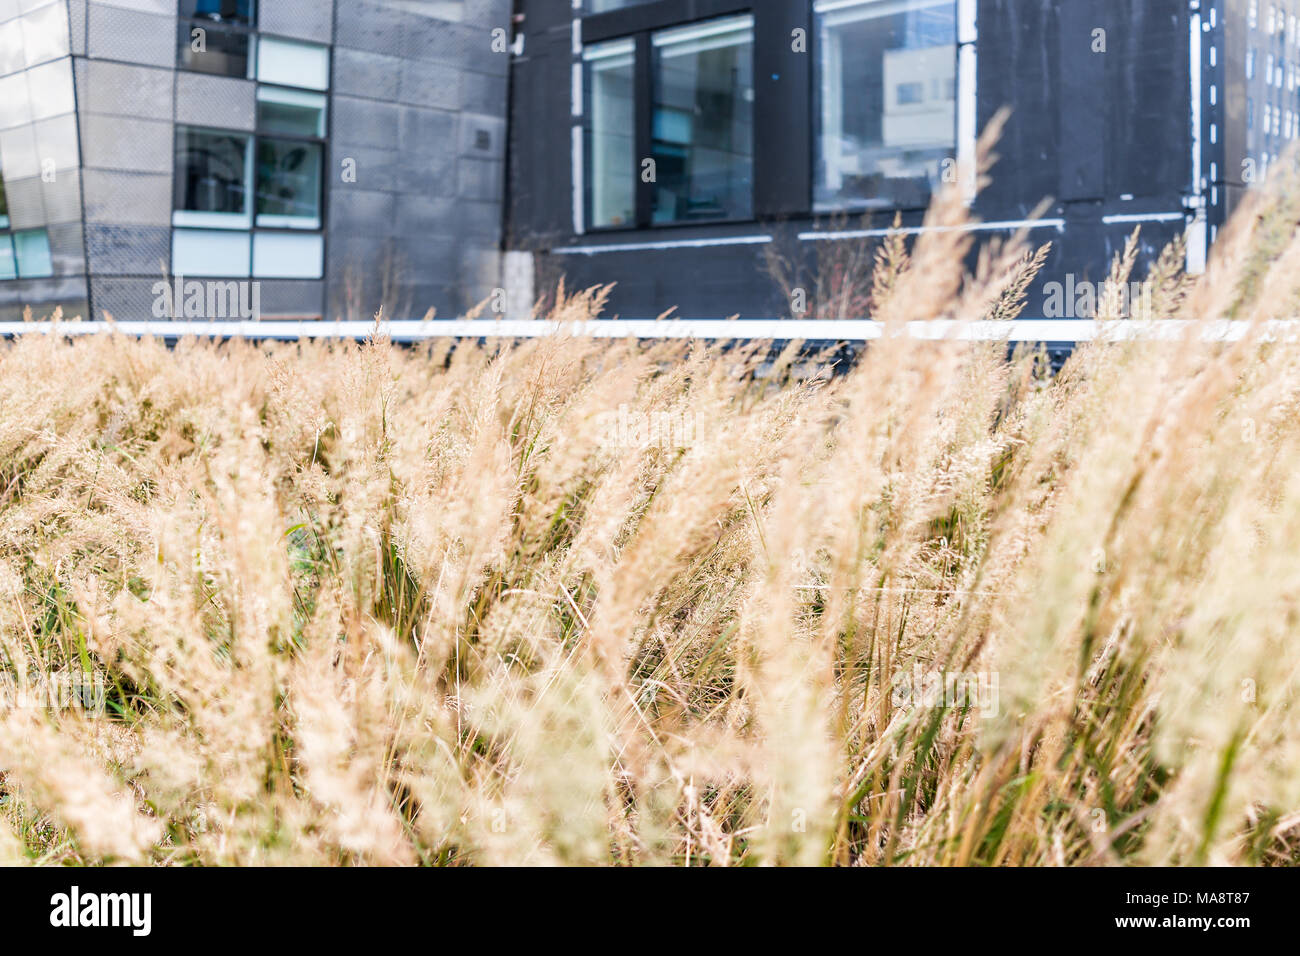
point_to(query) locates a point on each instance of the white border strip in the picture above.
(1146, 217)
(830, 236)
(663, 244)
(811, 330)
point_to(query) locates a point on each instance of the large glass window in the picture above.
(211, 177)
(293, 64)
(611, 134)
(288, 183)
(269, 184)
(24, 254)
(703, 121)
(215, 36)
(887, 101)
(32, 250)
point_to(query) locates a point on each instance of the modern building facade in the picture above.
(670, 145)
(339, 153)
(435, 153)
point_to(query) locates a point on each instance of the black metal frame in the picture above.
(784, 89)
(782, 183)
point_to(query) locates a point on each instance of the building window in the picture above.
(668, 126)
(211, 181)
(611, 133)
(216, 36)
(288, 63)
(24, 254)
(886, 101)
(703, 121)
(251, 204)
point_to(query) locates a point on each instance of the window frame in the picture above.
(247, 223)
(8, 239)
(186, 24)
(785, 88)
(815, 119)
(639, 23)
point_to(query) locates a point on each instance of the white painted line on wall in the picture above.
(1146, 217)
(831, 236)
(663, 244)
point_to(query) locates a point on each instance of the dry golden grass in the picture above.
(601, 603)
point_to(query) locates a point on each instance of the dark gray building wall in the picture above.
(416, 106)
(1106, 136)
(126, 94)
(419, 102)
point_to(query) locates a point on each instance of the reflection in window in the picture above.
(214, 36)
(293, 64)
(887, 110)
(211, 172)
(703, 121)
(199, 252)
(611, 134)
(219, 11)
(32, 250)
(45, 33)
(24, 254)
(288, 183)
(290, 112)
(287, 255)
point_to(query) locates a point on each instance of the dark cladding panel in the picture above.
(1147, 92)
(540, 206)
(1084, 62)
(782, 131)
(1017, 59)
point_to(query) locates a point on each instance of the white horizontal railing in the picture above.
(812, 330)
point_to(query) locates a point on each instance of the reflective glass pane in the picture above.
(286, 255)
(291, 112)
(32, 250)
(887, 92)
(293, 64)
(219, 11)
(211, 48)
(8, 265)
(211, 171)
(45, 34)
(196, 252)
(611, 134)
(50, 89)
(703, 121)
(288, 183)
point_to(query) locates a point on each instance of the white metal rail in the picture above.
(811, 330)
